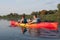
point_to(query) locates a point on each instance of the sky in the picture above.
(26, 6)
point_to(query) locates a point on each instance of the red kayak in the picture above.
(43, 25)
(13, 23)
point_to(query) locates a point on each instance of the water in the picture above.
(14, 33)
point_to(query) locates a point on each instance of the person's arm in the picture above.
(34, 21)
(21, 20)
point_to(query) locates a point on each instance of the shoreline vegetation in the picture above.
(45, 15)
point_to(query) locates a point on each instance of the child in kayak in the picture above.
(29, 20)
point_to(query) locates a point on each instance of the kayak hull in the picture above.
(42, 25)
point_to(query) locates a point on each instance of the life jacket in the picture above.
(24, 21)
(38, 20)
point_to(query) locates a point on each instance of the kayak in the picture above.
(41, 25)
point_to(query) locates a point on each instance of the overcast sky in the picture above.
(26, 6)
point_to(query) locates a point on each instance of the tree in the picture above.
(11, 14)
(16, 14)
(50, 12)
(24, 14)
(44, 12)
(0, 16)
(39, 13)
(55, 11)
(33, 13)
(58, 6)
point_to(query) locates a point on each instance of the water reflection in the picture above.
(42, 33)
(15, 33)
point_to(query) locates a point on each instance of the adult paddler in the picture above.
(35, 20)
(23, 20)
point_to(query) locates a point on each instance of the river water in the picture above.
(14, 33)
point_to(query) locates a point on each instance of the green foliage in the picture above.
(51, 15)
(58, 6)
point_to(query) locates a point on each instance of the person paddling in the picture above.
(23, 20)
(35, 19)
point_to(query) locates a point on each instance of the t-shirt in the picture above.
(37, 20)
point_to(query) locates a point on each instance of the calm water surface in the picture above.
(14, 33)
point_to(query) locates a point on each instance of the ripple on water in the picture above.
(14, 33)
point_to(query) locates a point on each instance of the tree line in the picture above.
(50, 15)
